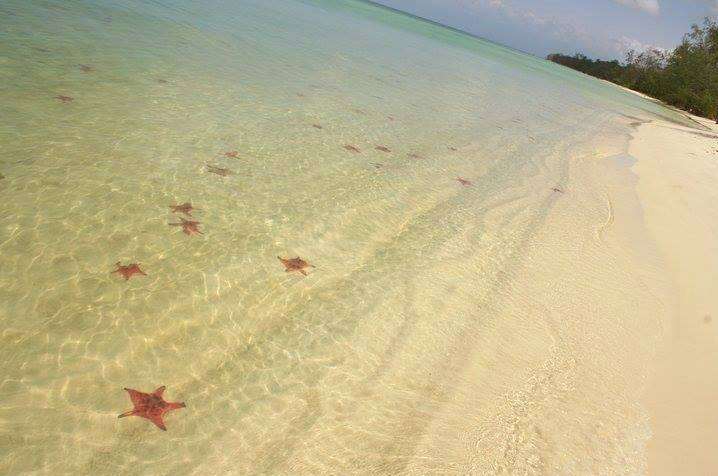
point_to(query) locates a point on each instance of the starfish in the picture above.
(151, 406)
(85, 68)
(65, 99)
(317, 126)
(382, 148)
(464, 182)
(219, 170)
(189, 227)
(295, 264)
(351, 148)
(232, 154)
(128, 270)
(556, 189)
(185, 208)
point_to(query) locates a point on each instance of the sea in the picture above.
(462, 302)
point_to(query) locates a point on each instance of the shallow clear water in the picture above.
(341, 371)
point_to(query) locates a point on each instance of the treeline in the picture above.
(686, 77)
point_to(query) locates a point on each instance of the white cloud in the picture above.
(625, 44)
(650, 6)
(568, 33)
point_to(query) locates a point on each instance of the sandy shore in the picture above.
(677, 169)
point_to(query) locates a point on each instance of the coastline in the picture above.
(677, 168)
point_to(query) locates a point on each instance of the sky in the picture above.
(604, 29)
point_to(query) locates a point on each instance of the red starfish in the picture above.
(151, 406)
(128, 270)
(65, 99)
(351, 148)
(232, 154)
(295, 264)
(382, 148)
(188, 227)
(464, 182)
(185, 208)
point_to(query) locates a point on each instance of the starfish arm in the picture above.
(157, 420)
(159, 391)
(127, 413)
(175, 405)
(303, 272)
(143, 273)
(138, 398)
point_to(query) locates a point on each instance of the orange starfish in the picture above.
(129, 270)
(464, 182)
(188, 227)
(295, 264)
(185, 208)
(151, 406)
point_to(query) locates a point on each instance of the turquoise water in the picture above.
(342, 371)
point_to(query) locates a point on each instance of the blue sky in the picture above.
(598, 28)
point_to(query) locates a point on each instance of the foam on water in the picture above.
(409, 347)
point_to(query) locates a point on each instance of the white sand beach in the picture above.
(677, 172)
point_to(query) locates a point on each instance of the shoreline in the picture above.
(701, 121)
(676, 168)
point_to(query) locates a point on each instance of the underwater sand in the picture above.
(494, 327)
